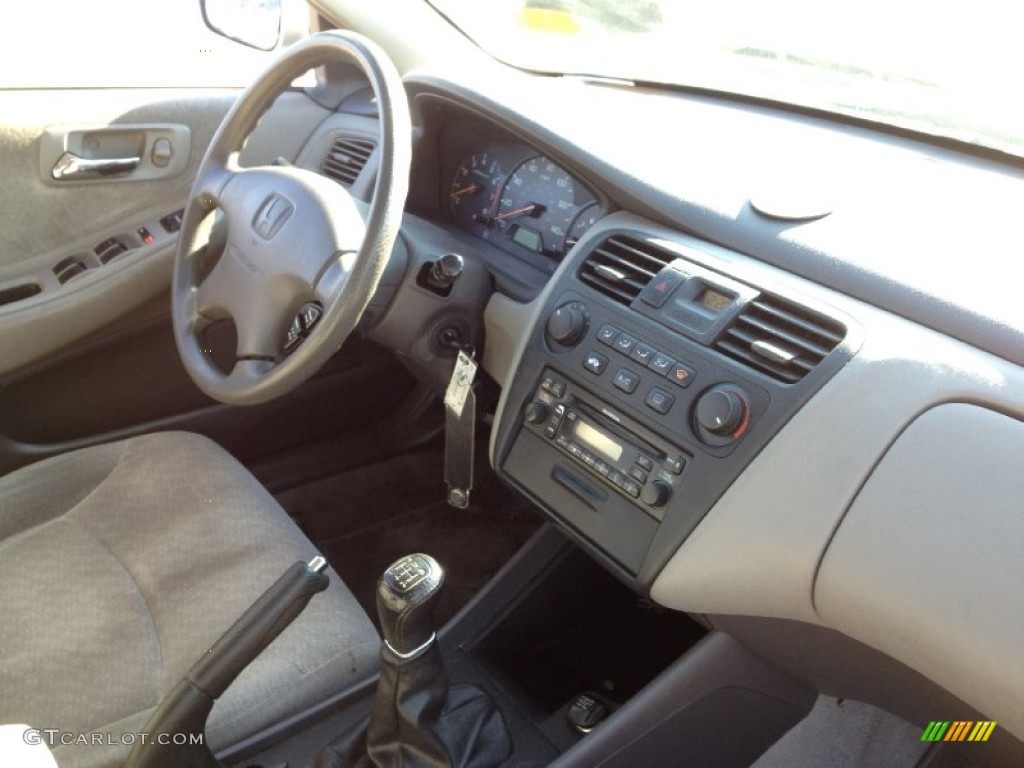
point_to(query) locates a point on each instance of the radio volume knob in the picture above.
(536, 412)
(567, 324)
(656, 494)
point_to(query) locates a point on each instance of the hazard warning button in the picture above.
(661, 287)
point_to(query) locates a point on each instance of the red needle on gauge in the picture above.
(517, 212)
(466, 190)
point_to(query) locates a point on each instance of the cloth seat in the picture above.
(120, 564)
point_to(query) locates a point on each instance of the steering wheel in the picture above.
(291, 259)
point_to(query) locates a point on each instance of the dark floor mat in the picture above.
(365, 519)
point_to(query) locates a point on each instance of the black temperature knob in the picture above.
(567, 324)
(536, 412)
(723, 412)
(656, 494)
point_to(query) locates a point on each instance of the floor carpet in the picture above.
(365, 519)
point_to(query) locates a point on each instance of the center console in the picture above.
(650, 378)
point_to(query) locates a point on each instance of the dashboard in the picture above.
(745, 475)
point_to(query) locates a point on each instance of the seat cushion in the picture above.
(121, 564)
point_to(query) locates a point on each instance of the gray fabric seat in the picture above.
(121, 564)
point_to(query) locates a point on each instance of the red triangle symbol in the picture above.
(661, 287)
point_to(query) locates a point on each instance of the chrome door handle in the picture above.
(71, 167)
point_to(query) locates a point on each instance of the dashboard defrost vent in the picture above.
(346, 159)
(779, 338)
(621, 266)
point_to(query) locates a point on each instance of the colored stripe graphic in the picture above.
(959, 730)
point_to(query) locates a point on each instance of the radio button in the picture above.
(624, 343)
(595, 363)
(563, 442)
(638, 474)
(681, 375)
(659, 400)
(675, 464)
(616, 477)
(631, 488)
(642, 353)
(626, 380)
(602, 468)
(553, 385)
(606, 334)
(645, 462)
(661, 363)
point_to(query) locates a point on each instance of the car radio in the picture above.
(630, 459)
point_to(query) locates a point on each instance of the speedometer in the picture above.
(538, 206)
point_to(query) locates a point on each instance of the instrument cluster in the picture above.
(507, 193)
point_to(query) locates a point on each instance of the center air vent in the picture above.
(621, 266)
(779, 338)
(346, 159)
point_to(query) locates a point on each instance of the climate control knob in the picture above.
(567, 324)
(722, 414)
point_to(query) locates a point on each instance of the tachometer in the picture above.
(475, 190)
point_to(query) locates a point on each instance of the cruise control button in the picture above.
(659, 400)
(624, 343)
(682, 375)
(626, 380)
(607, 333)
(643, 353)
(661, 363)
(595, 363)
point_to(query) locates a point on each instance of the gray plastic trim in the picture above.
(927, 565)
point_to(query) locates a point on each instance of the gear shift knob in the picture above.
(407, 594)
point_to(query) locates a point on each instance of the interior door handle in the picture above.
(71, 167)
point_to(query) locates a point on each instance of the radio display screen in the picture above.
(598, 441)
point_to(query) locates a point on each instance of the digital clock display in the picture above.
(714, 300)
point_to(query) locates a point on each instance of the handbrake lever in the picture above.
(185, 708)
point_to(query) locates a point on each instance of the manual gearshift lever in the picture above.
(418, 720)
(407, 595)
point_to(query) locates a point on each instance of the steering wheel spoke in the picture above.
(293, 237)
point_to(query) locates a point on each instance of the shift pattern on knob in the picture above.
(406, 596)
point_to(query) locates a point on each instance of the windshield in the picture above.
(950, 69)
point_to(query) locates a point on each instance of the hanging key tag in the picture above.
(460, 431)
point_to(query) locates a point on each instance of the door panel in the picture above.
(86, 352)
(42, 217)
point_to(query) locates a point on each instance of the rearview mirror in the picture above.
(256, 23)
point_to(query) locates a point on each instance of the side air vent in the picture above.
(346, 159)
(621, 266)
(784, 340)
